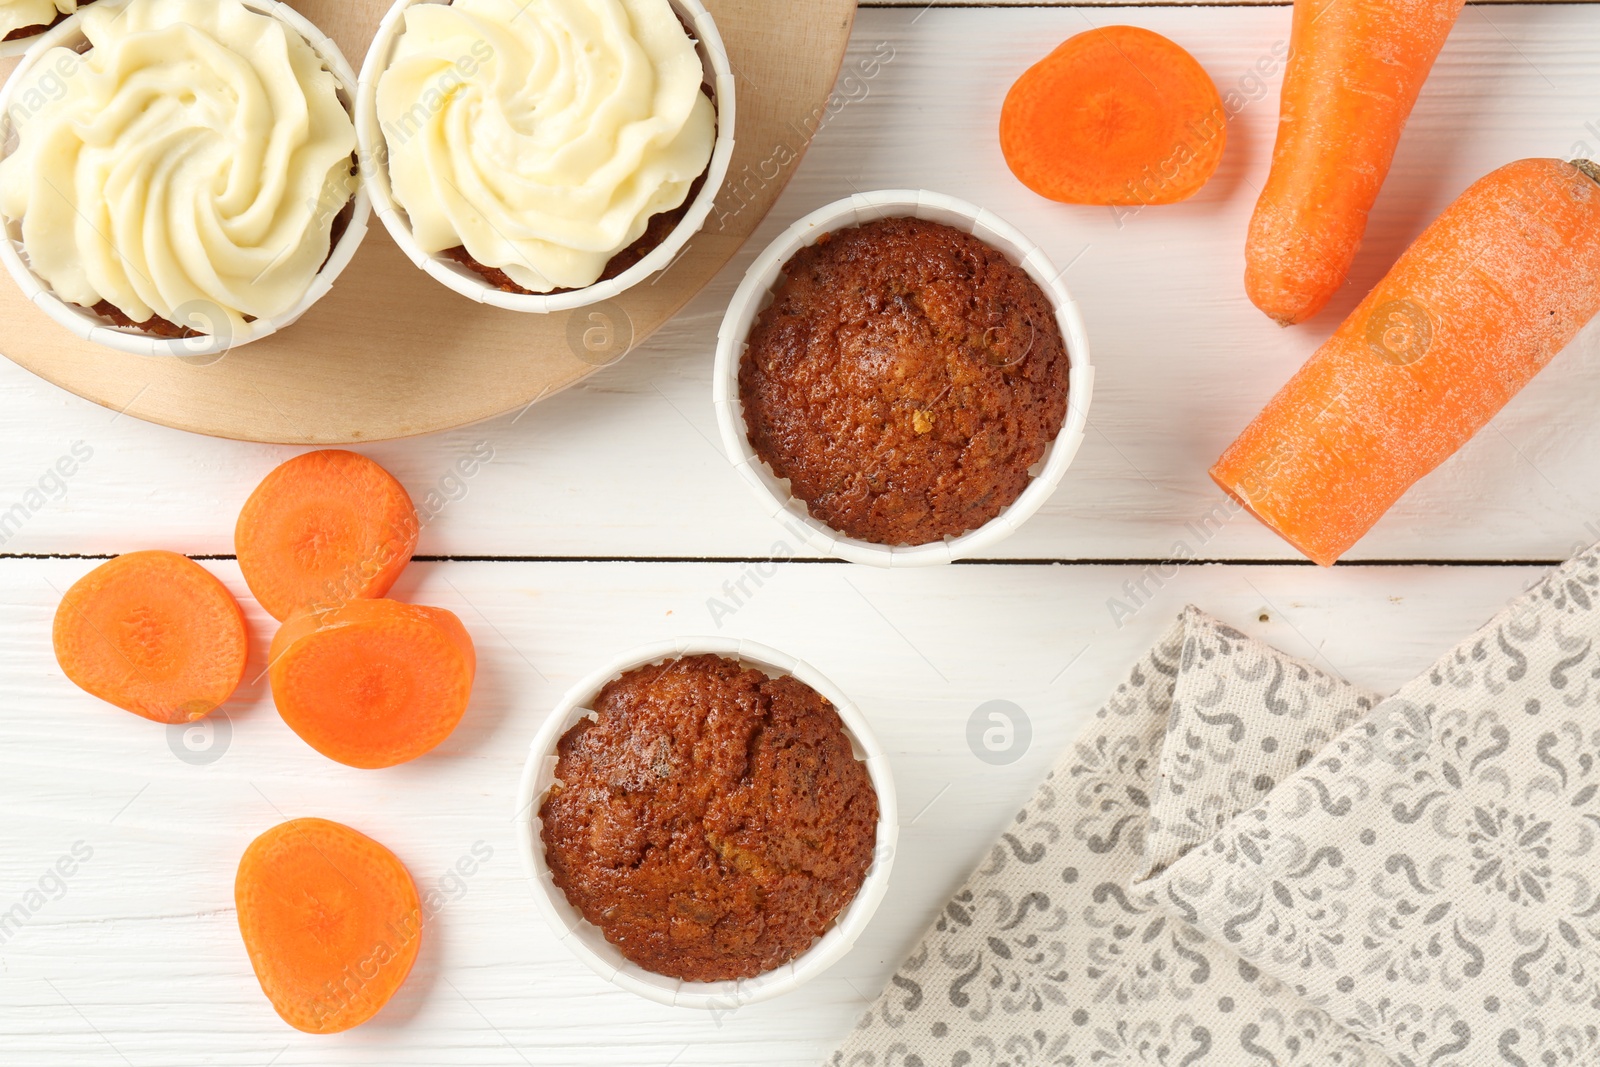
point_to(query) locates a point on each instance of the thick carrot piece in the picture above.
(1354, 72)
(331, 920)
(153, 633)
(375, 682)
(1118, 115)
(322, 529)
(1483, 299)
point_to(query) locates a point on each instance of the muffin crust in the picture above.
(904, 379)
(713, 822)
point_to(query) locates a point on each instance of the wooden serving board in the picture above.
(392, 353)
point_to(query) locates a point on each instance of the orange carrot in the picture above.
(1118, 115)
(153, 633)
(1354, 72)
(324, 528)
(375, 682)
(331, 920)
(1489, 293)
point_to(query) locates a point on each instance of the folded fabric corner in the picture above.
(1050, 954)
(1431, 877)
(1245, 860)
(1241, 717)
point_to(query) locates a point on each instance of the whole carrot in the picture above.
(1355, 69)
(1484, 298)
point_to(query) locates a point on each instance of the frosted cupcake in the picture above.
(188, 173)
(543, 146)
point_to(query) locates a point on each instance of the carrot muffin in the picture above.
(904, 380)
(534, 141)
(191, 166)
(712, 821)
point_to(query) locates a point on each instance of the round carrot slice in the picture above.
(331, 920)
(375, 682)
(153, 633)
(322, 529)
(1117, 115)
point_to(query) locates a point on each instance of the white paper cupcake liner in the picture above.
(589, 944)
(91, 327)
(455, 276)
(755, 294)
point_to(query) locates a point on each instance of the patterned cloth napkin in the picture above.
(1248, 861)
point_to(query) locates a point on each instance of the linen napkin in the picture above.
(1248, 861)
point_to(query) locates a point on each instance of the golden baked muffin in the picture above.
(713, 822)
(904, 379)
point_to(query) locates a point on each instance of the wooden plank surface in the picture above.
(628, 465)
(139, 960)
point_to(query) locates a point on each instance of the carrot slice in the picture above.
(322, 529)
(375, 682)
(1484, 298)
(1353, 75)
(331, 920)
(153, 633)
(1118, 115)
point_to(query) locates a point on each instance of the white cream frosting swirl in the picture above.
(190, 165)
(543, 134)
(24, 14)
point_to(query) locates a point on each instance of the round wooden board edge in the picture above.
(841, 15)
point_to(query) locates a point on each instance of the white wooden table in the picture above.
(608, 517)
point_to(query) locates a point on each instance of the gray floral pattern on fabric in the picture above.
(1431, 878)
(1054, 953)
(1247, 861)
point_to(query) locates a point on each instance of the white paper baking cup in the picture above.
(589, 944)
(375, 173)
(755, 294)
(92, 327)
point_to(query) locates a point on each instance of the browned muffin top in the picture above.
(713, 821)
(904, 379)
